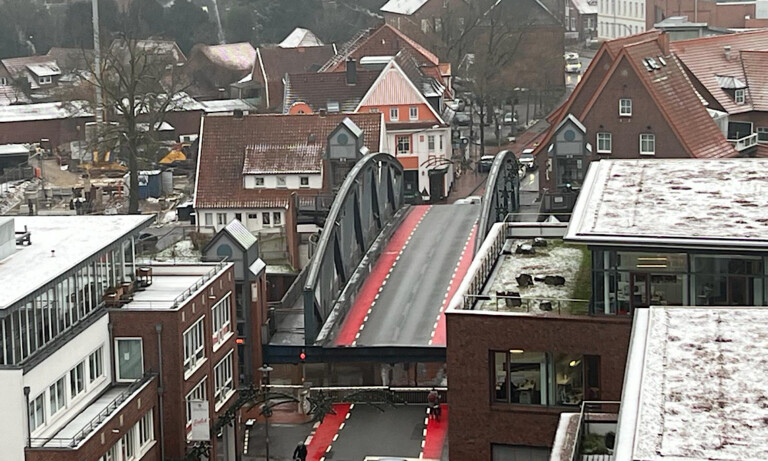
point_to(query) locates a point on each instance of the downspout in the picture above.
(29, 423)
(160, 390)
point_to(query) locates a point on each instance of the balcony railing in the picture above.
(200, 282)
(744, 143)
(595, 444)
(90, 426)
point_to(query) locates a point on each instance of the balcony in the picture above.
(588, 435)
(92, 418)
(742, 144)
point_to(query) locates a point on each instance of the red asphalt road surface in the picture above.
(436, 433)
(370, 288)
(438, 337)
(326, 431)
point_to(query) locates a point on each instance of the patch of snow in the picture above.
(180, 251)
(704, 393)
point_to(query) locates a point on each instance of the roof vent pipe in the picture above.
(238, 114)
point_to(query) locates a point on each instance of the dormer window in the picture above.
(740, 96)
(45, 80)
(3, 81)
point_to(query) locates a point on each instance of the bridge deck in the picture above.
(403, 300)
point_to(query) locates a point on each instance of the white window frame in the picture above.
(3, 81)
(394, 114)
(625, 107)
(413, 113)
(194, 347)
(96, 360)
(645, 138)
(45, 80)
(35, 405)
(397, 144)
(762, 133)
(602, 137)
(425, 26)
(74, 374)
(199, 392)
(221, 219)
(146, 429)
(128, 446)
(258, 181)
(277, 218)
(221, 317)
(117, 358)
(57, 395)
(430, 142)
(266, 219)
(224, 381)
(209, 219)
(740, 96)
(281, 182)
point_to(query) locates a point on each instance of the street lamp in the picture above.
(266, 411)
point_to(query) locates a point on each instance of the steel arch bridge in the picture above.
(502, 194)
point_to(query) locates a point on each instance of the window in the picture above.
(740, 96)
(57, 395)
(403, 144)
(128, 446)
(45, 80)
(129, 363)
(393, 114)
(200, 392)
(265, 218)
(304, 181)
(441, 143)
(258, 181)
(223, 374)
(604, 143)
(647, 144)
(431, 143)
(111, 455)
(762, 134)
(276, 218)
(95, 365)
(254, 216)
(37, 411)
(221, 313)
(413, 113)
(77, 380)
(374, 110)
(425, 25)
(209, 219)
(3, 81)
(281, 181)
(625, 107)
(194, 346)
(146, 429)
(221, 219)
(438, 24)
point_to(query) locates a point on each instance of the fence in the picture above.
(523, 304)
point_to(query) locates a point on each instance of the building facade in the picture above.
(620, 18)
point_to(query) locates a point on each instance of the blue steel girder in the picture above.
(368, 198)
(502, 193)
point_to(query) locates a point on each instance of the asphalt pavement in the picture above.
(283, 439)
(405, 312)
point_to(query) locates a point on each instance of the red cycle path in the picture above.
(387, 259)
(438, 338)
(326, 431)
(436, 433)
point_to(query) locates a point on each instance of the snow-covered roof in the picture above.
(45, 69)
(45, 111)
(300, 37)
(73, 238)
(675, 202)
(406, 7)
(585, 6)
(695, 387)
(14, 149)
(727, 82)
(170, 282)
(225, 105)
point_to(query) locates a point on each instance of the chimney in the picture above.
(321, 112)
(727, 50)
(238, 114)
(664, 43)
(351, 72)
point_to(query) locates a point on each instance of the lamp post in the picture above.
(265, 371)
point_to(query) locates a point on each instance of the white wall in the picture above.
(253, 224)
(420, 147)
(13, 423)
(58, 364)
(292, 181)
(619, 18)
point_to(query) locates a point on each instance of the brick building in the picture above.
(718, 14)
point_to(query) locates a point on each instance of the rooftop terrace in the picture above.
(172, 284)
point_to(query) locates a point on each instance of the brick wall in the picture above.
(475, 421)
(714, 14)
(57, 131)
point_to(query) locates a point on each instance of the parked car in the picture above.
(572, 63)
(527, 160)
(461, 119)
(484, 165)
(510, 118)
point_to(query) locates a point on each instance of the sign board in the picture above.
(201, 428)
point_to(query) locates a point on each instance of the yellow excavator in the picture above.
(104, 165)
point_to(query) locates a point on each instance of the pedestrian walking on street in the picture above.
(300, 453)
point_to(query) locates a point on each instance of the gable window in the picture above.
(625, 107)
(281, 181)
(431, 143)
(130, 363)
(403, 144)
(77, 380)
(425, 25)
(57, 395)
(45, 80)
(740, 96)
(194, 347)
(394, 114)
(438, 24)
(604, 142)
(413, 113)
(258, 181)
(265, 218)
(304, 181)
(37, 411)
(647, 144)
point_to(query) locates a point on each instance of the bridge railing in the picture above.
(368, 394)
(368, 198)
(502, 194)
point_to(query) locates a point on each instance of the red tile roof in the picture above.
(615, 46)
(317, 89)
(706, 59)
(755, 65)
(275, 62)
(224, 142)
